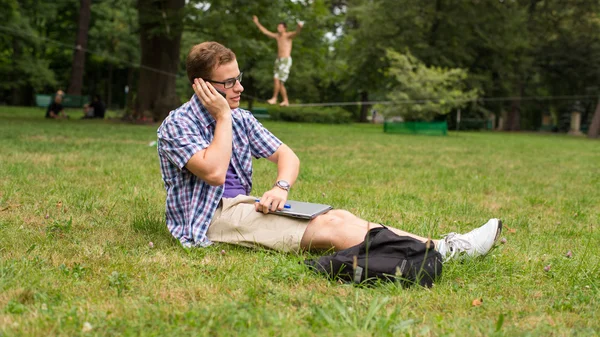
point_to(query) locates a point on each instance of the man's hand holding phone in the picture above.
(212, 99)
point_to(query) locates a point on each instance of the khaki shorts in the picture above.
(237, 222)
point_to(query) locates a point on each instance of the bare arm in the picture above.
(263, 29)
(288, 166)
(297, 31)
(211, 164)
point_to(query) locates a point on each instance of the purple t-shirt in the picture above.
(232, 187)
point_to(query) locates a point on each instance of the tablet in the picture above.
(303, 210)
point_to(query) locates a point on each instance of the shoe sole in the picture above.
(498, 231)
(494, 245)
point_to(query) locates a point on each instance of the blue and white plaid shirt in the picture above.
(191, 202)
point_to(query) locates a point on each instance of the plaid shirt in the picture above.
(191, 202)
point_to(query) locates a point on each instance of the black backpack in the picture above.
(385, 256)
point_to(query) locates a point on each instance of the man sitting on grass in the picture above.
(206, 148)
(55, 109)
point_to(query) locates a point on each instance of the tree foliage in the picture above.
(510, 49)
(421, 92)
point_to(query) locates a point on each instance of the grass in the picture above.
(80, 201)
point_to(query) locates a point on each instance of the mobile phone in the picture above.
(222, 93)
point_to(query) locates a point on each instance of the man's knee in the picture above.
(334, 218)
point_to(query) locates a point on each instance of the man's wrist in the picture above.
(283, 184)
(223, 117)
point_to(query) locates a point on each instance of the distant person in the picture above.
(95, 109)
(283, 63)
(56, 109)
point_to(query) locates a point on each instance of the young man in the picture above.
(283, 62)
(205, 148)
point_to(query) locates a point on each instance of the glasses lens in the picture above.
(230, 83)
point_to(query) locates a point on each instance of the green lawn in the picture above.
(81, 200)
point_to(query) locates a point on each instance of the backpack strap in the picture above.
(358, 274)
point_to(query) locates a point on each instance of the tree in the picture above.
(439, 90)
(230, 22)
(113, 33)
(78, 68)
(161, 27)
(594, 130)
(24, 68)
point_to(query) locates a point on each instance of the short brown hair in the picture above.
(203, 58)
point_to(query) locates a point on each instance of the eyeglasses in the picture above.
(229, 83)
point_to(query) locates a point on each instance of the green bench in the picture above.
(260, 113)
(69, 101)
(422, 128)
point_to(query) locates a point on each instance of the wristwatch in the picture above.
(284, 185)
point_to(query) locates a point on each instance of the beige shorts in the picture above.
(237, 222)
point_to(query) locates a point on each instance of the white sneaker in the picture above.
(474, 243)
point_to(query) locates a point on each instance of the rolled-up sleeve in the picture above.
(262, 142)
(179, 140)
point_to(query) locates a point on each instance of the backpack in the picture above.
(386, 256)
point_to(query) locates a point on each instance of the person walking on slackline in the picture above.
(283, 62)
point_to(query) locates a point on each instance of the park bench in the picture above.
(424, 128)
(69, 101)
(260, 113)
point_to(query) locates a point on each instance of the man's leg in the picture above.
(284, 96)
(276, 86)
(340, 229)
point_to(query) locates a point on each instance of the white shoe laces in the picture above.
(456, 244)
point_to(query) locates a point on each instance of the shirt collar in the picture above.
(203, 115)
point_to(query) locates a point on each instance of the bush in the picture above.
(329, 115)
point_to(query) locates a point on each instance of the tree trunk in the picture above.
(109, 86)
(76, 81)
(129, 94)
(436, 24)
(161, 27)
(16, 93)
(594, 130)
(513, 118)
(364, 108)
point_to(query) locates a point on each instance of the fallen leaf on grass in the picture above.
(569, 254)
(59, 204)
(477, 302)
(510, 230)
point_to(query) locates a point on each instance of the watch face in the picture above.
(283, 184)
